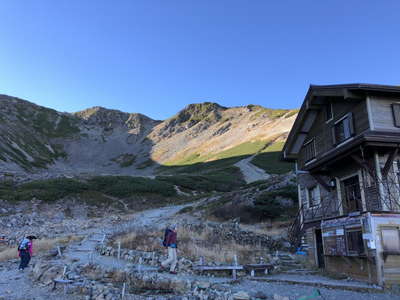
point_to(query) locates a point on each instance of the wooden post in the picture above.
(119, 249)
(64, 271)
(91, 257)
(123, 291)
(59, 251)
(140, 265)
(235, 263)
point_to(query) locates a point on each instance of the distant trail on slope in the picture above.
(250, 172)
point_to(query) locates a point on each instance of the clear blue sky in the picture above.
(156, 56)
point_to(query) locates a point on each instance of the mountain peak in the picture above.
(196, 112)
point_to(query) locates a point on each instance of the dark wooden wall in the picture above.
(321, 131)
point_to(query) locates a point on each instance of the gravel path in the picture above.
(251, 172)
(16, 285)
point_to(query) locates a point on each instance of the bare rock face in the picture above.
(38, 140)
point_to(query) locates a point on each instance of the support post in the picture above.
(119, 249)
(363, 164)
(140, 265)
(123, 291)
(389, 162)
(382, 193)
(59, 251)
(235, 262)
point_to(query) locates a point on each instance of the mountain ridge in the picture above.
(36, 139)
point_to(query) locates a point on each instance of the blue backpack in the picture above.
(24, 245)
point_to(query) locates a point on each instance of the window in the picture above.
(309, 150)
(343, 129)
(390, 239)
(355, 243)
(313, 196)
(328, 112)
(396, 114)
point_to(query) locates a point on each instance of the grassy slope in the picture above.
(34, 128)
(269, 160)
(242, 150)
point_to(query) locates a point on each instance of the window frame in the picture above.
(308, 190)
(351, 129)
(396, 116)
(382, 239)
(330, 118)
(355, 252)
(305, 146)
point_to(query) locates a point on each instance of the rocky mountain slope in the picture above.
(39, 140)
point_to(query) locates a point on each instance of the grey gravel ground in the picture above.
(15, 285)
(294, 291)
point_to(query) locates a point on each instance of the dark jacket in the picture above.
(171, 239)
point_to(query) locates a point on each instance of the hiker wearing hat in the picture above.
(170, 242)
(25, 251)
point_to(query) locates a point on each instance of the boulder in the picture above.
(241, 296)
(279, 297)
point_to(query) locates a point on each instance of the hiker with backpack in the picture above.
(25, 251)
(170, 242)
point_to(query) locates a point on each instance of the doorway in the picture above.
(319, 248)
(352, 194)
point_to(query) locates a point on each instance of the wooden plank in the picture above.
(258, 267)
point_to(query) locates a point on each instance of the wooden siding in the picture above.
(311, 247)
(391, 270)
(381, 113)
(356, 267)
(330, 203)
(321, 130)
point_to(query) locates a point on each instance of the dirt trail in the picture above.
(251, 172)
(84, 251)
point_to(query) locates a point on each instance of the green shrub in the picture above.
(269, 205)
(125, 186)
(248, 214)
(146, 164)
(46, 190)
(222, 180)
(116, 186)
